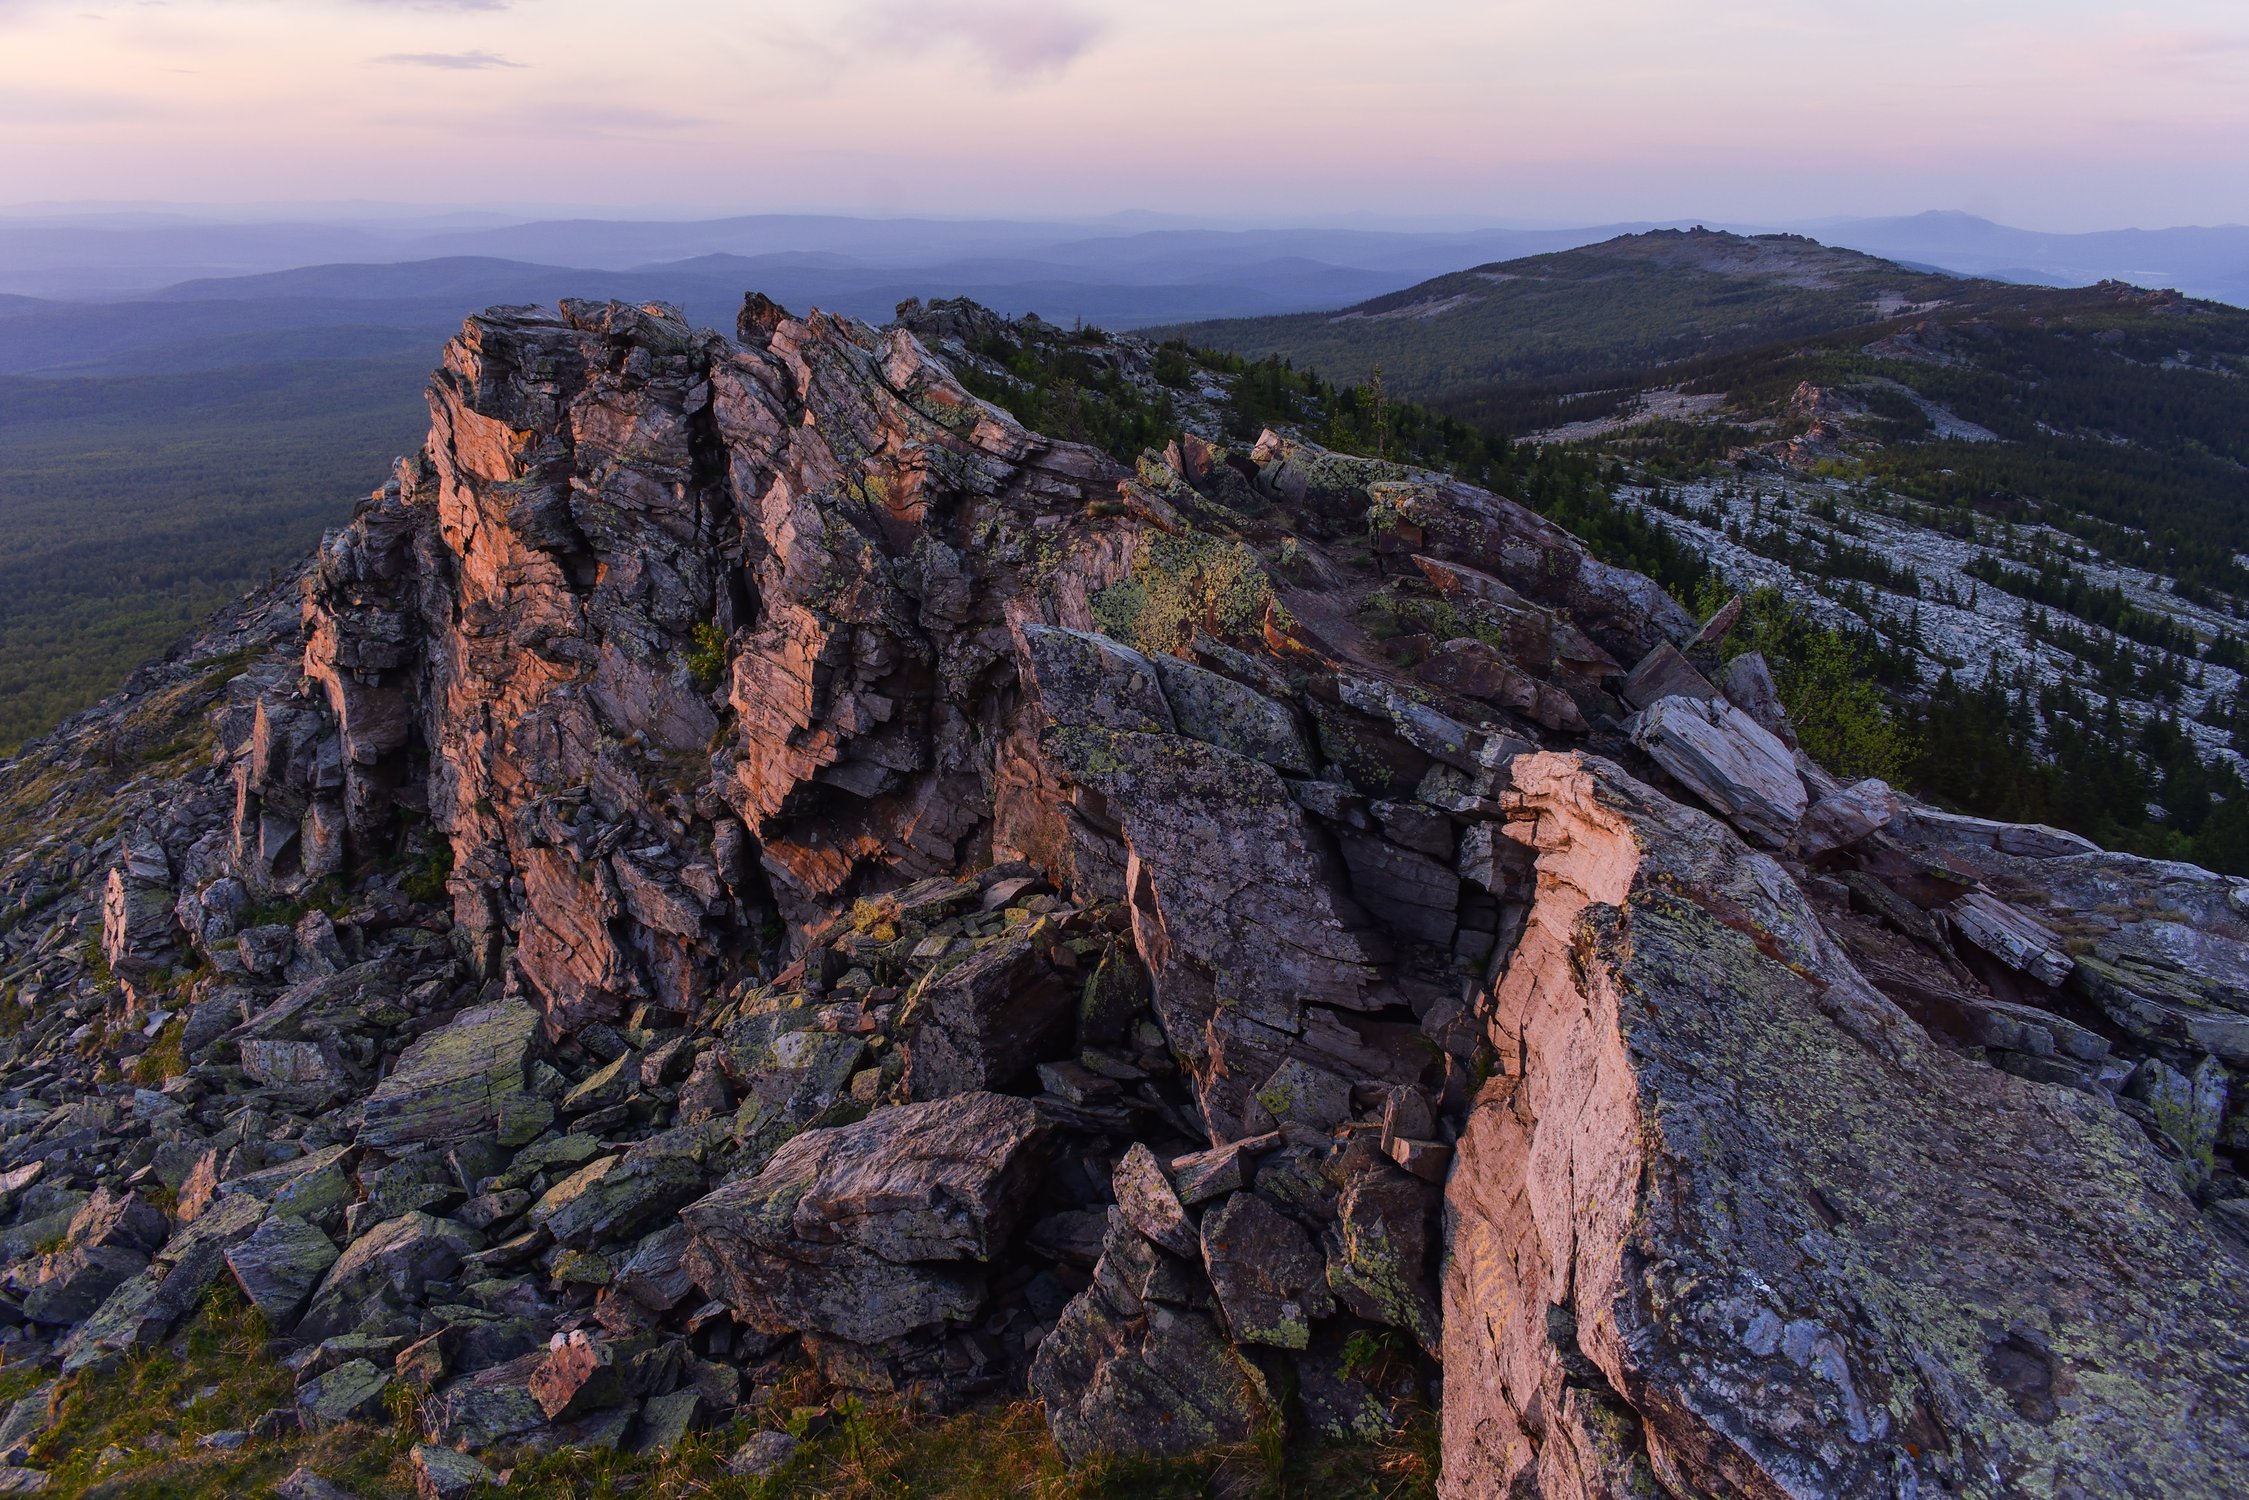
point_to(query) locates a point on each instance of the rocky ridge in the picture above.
(742, 856)
(1953, 621)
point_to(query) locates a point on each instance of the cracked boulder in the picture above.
(279, 1265)
(2011, 935)
(614, 1196)
(1269, 1277)
(387, 1268)
(870, 1232)
(2165, 1006)
(1733, 763)
(984, 1022)
(139, 928)
(1769, 1237)
(149, 1304)
(1234, 902)
(1133, 1367)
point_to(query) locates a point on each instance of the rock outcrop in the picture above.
(1852, 1315)
(742, 857)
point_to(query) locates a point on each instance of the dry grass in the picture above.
(997, 1452)
(132, 1433)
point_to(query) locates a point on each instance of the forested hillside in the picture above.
(131, 507)
(2021, 512)
(1577, 314)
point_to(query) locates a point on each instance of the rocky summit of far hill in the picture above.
(1598, 313)
(743, 865)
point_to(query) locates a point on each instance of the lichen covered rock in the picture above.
(743, 856)
(1851, 1315)
(456, 1081)
(871, 1231)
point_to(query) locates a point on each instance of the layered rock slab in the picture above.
(872, 1231)
(456, 1081)
(1733, 1222)
(1235, 905)
(703, 655)
(1727, 759)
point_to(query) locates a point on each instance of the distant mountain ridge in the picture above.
(1626, 303)
(298, 283)
(196, 320)
(109, 254)
(2209, 261)
(64, 258)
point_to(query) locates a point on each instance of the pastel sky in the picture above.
(2061, 114)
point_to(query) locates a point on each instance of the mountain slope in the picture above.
(1638, 300)
(744, 873)
(131, 507)
(2027, 506)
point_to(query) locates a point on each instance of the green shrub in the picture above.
(1841, 715)
(95, 961)
(425, 878)
(706, 662)
(1182, 584)
(164, 1058)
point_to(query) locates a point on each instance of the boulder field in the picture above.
(742, 855)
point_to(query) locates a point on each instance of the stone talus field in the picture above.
(742, 856)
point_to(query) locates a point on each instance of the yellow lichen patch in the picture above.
(1183, 584)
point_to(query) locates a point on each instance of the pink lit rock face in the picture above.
(604, 484)
(1624, 1304)
(745, 856)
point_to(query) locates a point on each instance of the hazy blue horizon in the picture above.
(371, 213)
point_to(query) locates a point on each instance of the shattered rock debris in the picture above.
(742, 858)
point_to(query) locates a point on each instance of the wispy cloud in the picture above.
(575, 117)
(11, 9)
(33, 106)
(453, 61)
(2115, 50)
(1013, 38)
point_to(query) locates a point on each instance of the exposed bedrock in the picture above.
(1733, 1225)
(742, 856)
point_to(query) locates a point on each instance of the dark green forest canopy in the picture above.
(2120, 418)
(131, 507)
